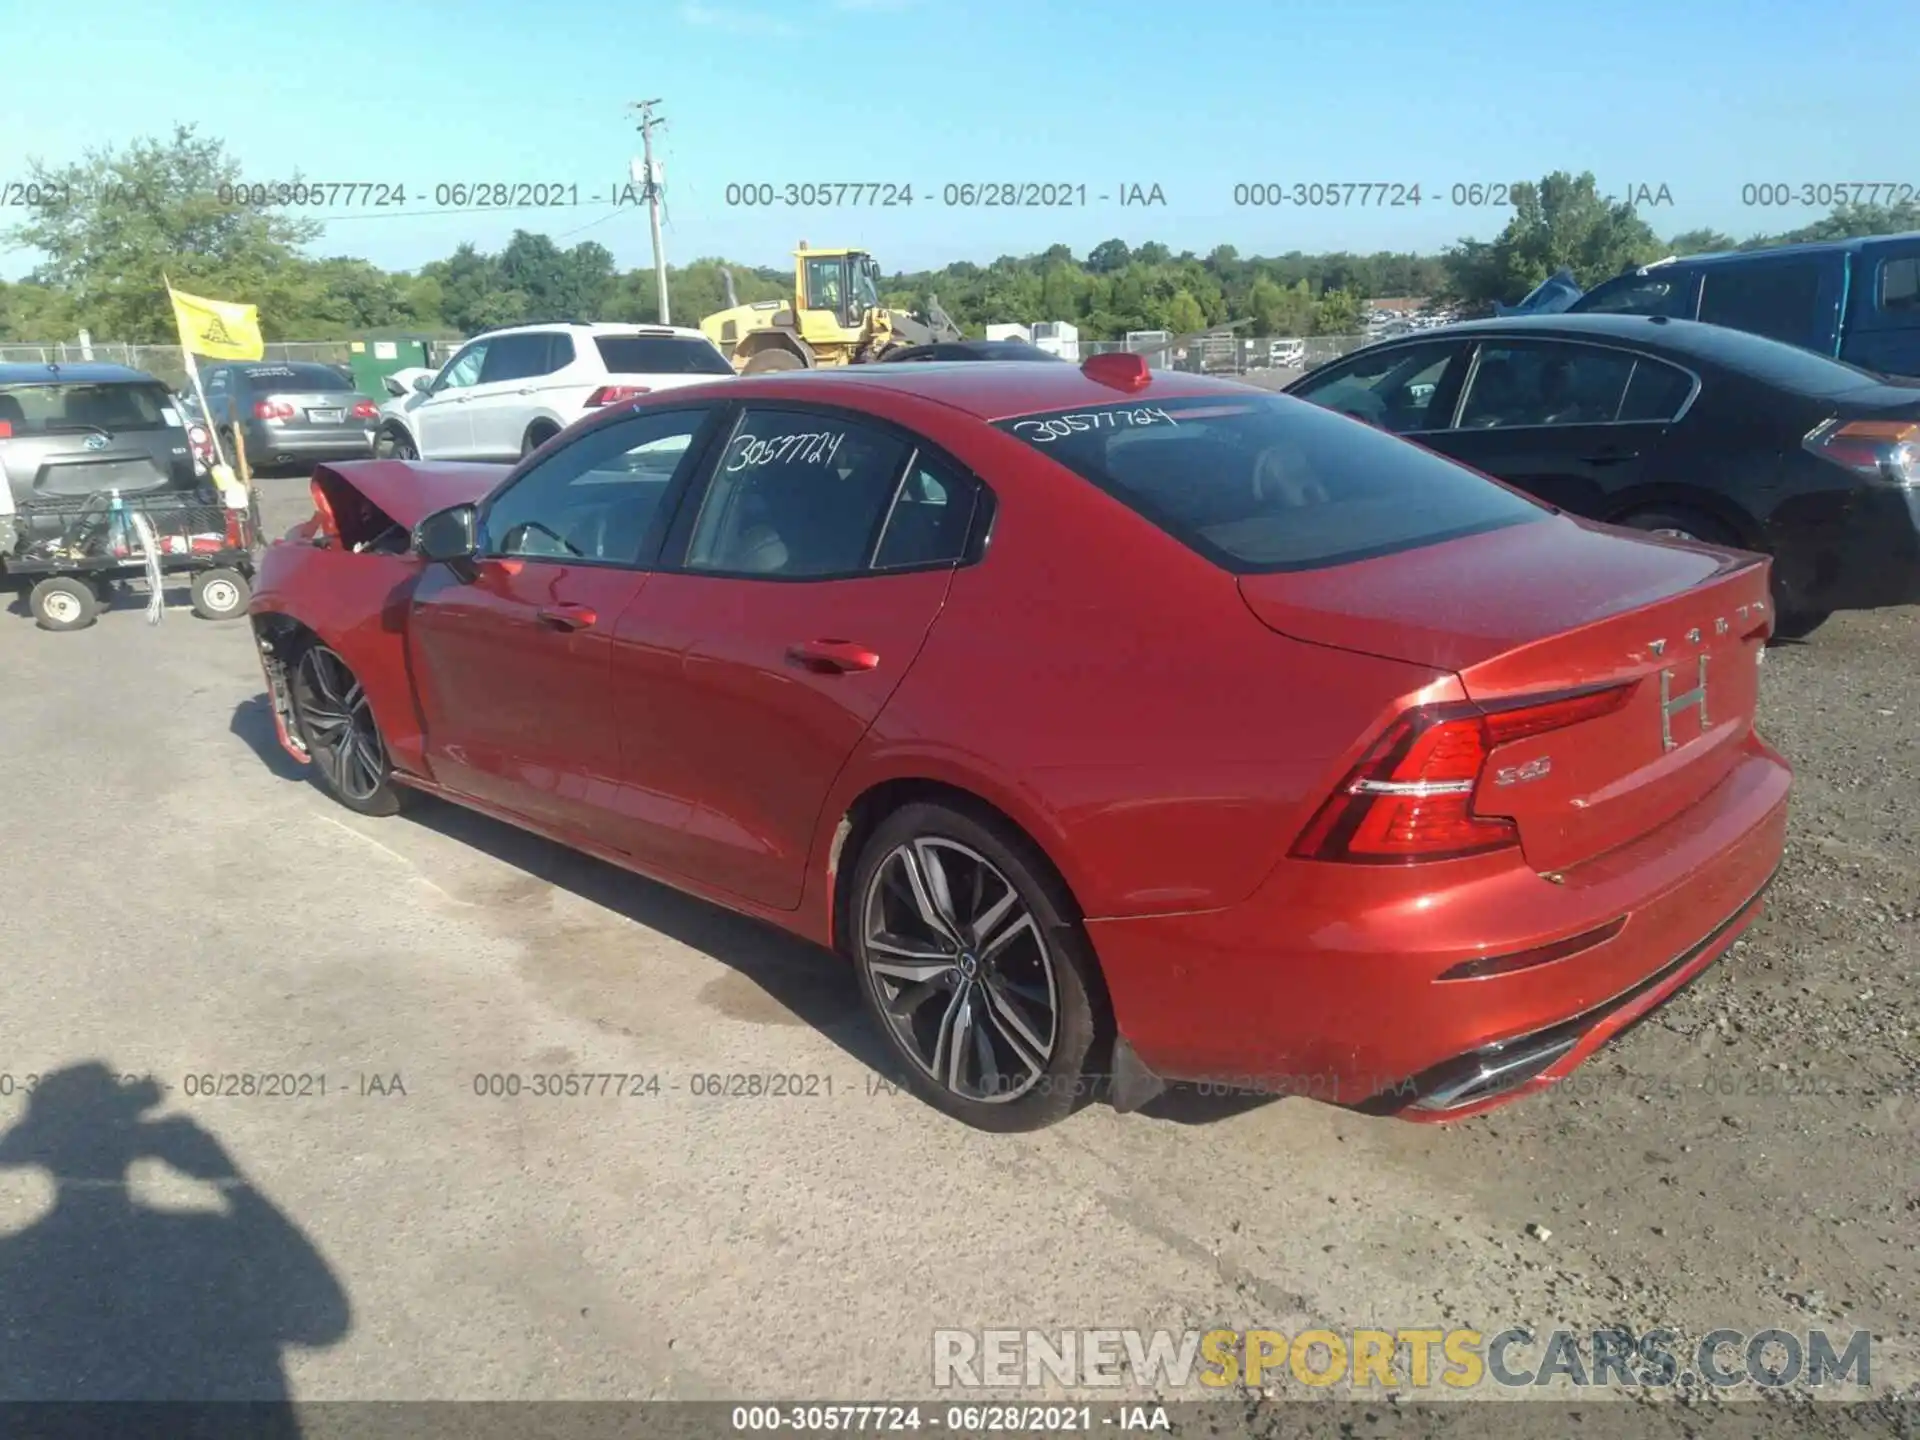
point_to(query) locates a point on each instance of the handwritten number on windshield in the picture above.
(1059, 427)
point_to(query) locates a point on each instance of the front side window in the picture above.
(464, 369)
(1394, 389)
(1268, 483)
(598, 498)
(797, 495)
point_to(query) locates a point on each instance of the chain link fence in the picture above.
(1264, 360)
(167, 363)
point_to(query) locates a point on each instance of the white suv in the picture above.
(505, 393)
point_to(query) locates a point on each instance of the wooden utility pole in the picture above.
(652, 188)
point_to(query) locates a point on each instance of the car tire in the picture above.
(394, 443)
(1024, 985)
(775, 359)
(1681, 524)
(221, 594)
(335, 722)
(537, 435)
(63, 602)
(1798, 624)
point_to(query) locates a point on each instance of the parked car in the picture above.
(506, 393)
(970, 350)
(76, 430)
(1257, 747)
(289, 412)
(1675, 427)
(1856, 300)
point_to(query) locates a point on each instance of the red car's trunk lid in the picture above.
(1556, 605)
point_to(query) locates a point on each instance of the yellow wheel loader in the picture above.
(834, 317)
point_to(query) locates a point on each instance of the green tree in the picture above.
(1184, 315)
(1108, 256)
(1561, 222)
(122, 217)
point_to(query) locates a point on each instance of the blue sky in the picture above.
(1195, 98)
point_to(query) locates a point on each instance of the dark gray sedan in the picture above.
(290, 412)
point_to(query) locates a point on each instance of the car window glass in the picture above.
(1662, 293)
(596, 498)
(1656, 391)
(823, 284)
(217, 382)
(78, 407)
(931, 517)
(559, 353)
(1778, 301)
(1268, 483)
(660, 355)
(465, 368)
(1394, 390)
(513, 357)
(1544, 385)
(797, 494)
(1900, 285)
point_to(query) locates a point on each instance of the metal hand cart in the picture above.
(69, 552)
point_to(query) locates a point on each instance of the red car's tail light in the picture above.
(323, 512)
(1410, 799)
(614, 394)
(1887, 449)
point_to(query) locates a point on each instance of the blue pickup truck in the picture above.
(1857, 300)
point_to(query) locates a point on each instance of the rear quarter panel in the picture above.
(1111, 692)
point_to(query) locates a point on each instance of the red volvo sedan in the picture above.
(1119, 728)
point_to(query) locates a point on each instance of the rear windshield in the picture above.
(1272, 483)
(296, 377)
(75, 407)
(660, 355)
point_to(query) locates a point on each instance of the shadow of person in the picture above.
(104, 1298)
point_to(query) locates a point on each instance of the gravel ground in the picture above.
(183, 903)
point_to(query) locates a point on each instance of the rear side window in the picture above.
(1777, 301)
(1656, 391)
(77, 408)
(660, 355)
(1272, 483)
(797, 496)
(515, 357)
(269, 378)
(1540, 384)
(1900, 286)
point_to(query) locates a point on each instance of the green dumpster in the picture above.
(372, 360)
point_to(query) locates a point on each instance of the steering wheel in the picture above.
(515, 541)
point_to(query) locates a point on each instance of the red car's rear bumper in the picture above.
(1328, 981)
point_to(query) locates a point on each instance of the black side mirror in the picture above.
(450, 536)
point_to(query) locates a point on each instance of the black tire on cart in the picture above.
(221, 594)
(63, 602)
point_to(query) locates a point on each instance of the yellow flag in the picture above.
(218, 329)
